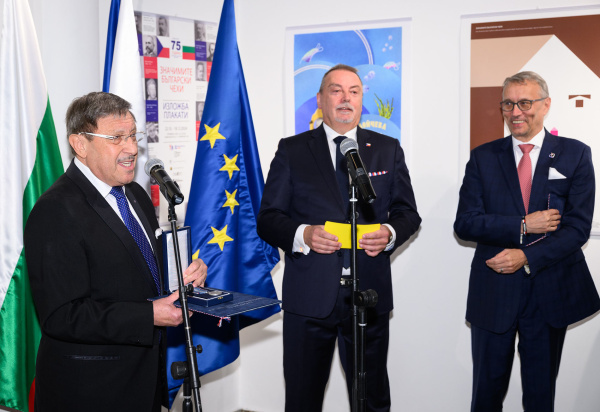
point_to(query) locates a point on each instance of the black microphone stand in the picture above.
(360, 302)
(187, 370)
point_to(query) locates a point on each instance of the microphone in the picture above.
(358, 172)
(168, 187)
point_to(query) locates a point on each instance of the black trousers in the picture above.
(308, 347)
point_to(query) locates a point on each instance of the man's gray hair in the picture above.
(339, 67)
(85, 111)
(527, 76)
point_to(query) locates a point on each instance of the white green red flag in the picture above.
(31, 158)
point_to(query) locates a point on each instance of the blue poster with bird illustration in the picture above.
(376, 54)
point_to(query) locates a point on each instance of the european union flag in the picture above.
(226, 191)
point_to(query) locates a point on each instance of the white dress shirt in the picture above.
(534, 155)
(104, 190)
(299, 244)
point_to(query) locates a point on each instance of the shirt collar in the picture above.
(332, 134)
(537, 140)
(102, 187)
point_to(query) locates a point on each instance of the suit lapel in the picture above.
(506, 160)
(101, 206)
(362, 139)
(319, 149)
(539, 198)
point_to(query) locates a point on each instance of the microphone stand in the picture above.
(360, 302)
(189, 369)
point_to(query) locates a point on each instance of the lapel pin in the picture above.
(368, 144)
(552, 155)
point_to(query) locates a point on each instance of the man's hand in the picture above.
(195, 273)
(166, 313)
(508, 261)
(542, 221)
(373, 243)
(320, 241)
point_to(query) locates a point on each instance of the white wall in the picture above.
(429, 357)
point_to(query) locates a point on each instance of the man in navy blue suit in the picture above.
(527, 200)
(301, 194)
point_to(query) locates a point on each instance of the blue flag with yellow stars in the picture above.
(226, 191)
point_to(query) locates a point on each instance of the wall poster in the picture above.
(177, 57)
(377, 50)
(563, 50)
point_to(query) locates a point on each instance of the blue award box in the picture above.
(209, 301)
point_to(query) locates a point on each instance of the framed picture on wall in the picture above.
(378, 50)
(561, 46)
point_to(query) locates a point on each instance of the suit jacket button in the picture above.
(340, 253)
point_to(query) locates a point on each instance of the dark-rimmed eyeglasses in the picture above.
(121, 139)
(523, 105)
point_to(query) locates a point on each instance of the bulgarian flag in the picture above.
(31, 159)
(189, 52)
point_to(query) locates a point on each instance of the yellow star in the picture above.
(230, 165)
(196, 254)
(212, 134)
(220, 237)
(231, 202)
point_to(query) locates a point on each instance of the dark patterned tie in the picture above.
(341, 172)
(137, 232)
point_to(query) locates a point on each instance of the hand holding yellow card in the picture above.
(342, 231)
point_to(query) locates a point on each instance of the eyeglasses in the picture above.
(524, 105)
(120, 140)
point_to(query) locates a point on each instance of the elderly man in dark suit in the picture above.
(93, 261)
(301, 194)
(527, 200)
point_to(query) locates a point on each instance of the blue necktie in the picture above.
(136, 231)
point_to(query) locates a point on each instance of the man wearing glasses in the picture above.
(527, 200)
(93, 261)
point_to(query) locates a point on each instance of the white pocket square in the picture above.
(554, 174)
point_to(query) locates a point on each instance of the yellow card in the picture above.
(342, 231)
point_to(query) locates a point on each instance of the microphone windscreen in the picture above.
(348, 144)
(151, 163)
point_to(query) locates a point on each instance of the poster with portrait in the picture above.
(563, 50)
(176, 55)
(377, 50)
